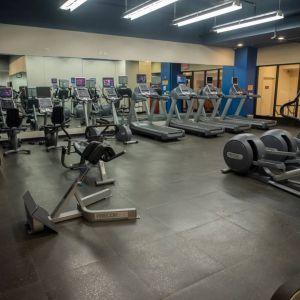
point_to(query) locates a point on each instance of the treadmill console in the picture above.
(82, 94)
(144, 89)
(210, 91)
(110, 93)
(185, 90)
(237, 90)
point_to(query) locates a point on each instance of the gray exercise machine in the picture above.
(142, 93)
(246, 154)
(183, 92)
(110, 94)
(237, 92)
(211, 93)
(83, 99)
(38, 218)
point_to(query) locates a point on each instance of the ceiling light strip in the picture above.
(252, 21)
(208, 13)
(145, 8)
(72, 4)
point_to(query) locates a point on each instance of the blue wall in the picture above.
(245, 69)
(169, 72)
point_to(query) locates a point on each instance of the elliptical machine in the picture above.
(109, 92)
(246, 154)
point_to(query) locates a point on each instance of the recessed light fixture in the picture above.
(281, 38)
(208, 13)
(240, 44)
(260, 19)
(72, 4)
(146, 8)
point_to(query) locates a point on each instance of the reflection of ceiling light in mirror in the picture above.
(146, 8)
(72, 4)
(208, 13)
(256, 20)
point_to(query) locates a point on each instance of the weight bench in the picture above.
(38, 218)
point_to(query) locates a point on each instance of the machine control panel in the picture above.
(82, 94)
(110, 93)
(45, 105)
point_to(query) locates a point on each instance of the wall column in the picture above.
(245, 69)
(169, 74)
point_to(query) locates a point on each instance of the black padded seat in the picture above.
(80, 146)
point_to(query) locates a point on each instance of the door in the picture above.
(266, 102)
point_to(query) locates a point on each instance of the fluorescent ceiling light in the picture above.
(72, 4)
(260, 19)
(146, 8)
(208, 13)
(240, 44)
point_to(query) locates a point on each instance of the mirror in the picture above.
(43, 82)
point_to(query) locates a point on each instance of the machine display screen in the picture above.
(5, 93)
(80, 82)
(141, 78)
(235, 80)
(63, 83)
(43, 92)
(123, 80)
(108, 82)
(181, 79)
(54, 81)
(209, 80)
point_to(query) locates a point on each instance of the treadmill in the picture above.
(213, 94)
(141, 94)
(237, 92)
(183, 92)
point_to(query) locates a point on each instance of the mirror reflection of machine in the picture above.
(83, 99)
(63, 94)
(159, 111)
(125, 92)
(45, 105)
(109, 92)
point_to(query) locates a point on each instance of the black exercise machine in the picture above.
(38, 218)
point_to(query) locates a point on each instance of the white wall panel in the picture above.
(24, 40)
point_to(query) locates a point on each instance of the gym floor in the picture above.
(202, 234)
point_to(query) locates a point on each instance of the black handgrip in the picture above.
(118, 155)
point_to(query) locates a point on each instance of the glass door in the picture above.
(288, 85)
